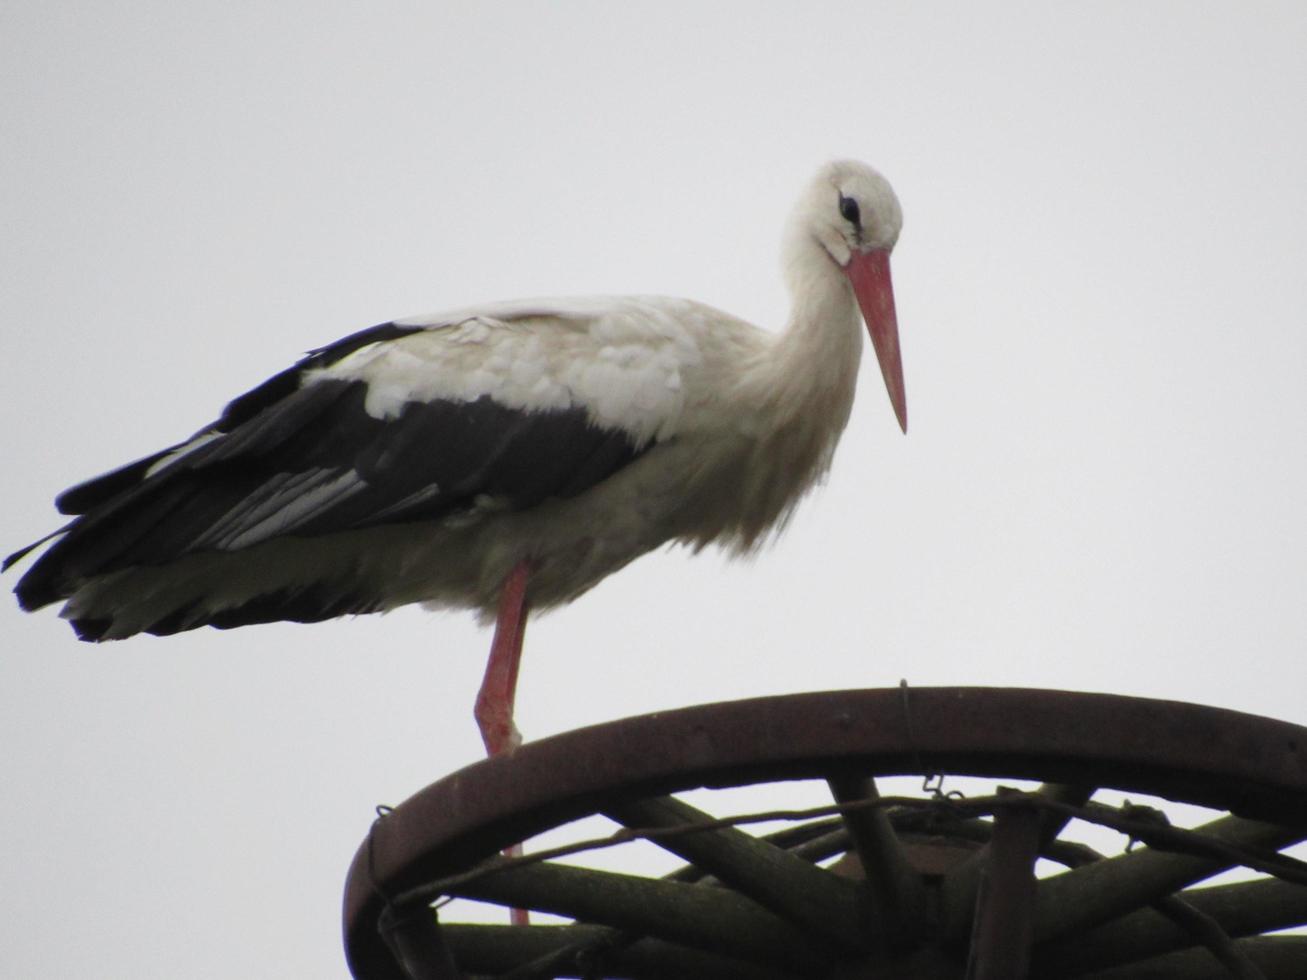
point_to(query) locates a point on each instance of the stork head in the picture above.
(851, 212)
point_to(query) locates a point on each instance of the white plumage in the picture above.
(623, 360)
(543, 444)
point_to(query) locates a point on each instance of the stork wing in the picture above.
(403, 422)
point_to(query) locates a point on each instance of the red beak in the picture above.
(869, 274)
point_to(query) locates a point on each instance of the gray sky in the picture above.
(1101, 297)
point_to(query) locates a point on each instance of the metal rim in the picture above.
(1251, 766)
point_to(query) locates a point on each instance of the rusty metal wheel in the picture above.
(924, 886)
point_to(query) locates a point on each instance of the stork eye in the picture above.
(849, 211)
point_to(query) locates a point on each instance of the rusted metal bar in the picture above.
(898, 895)
(1093, 894)
(1000, 941)
(959, 893)
(1240, 909)
(831, 907)
(713, 919)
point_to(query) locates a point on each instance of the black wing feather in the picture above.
(96, 491)
(309, 460)
(84, 497)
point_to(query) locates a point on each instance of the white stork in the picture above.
(502, 457)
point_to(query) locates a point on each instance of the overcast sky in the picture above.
(1102, 301)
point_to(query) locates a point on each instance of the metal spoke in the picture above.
(565, 951)
(963, 883)
(1104, 890)
(1000, 944)
(831, 907)
(1241, 909)
(897, 893)
(415, 938)
(1277, 957)
(712, 919)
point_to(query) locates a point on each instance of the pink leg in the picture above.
(494, 707)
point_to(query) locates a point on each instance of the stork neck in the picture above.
(794, 402)
(814, 365)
